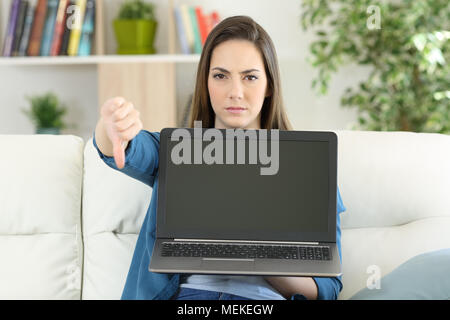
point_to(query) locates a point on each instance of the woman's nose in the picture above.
(236, 90)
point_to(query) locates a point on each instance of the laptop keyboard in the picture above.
(245, 251)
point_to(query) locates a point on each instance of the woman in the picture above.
(238, 86)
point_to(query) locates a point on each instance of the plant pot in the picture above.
(54, 131)
(135, 36)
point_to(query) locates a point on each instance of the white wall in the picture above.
(77, 85)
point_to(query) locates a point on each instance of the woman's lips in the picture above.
(235, 110)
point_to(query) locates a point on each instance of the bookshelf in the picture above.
(99, 59)
(149, 81)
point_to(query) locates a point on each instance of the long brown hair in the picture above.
(273, 114)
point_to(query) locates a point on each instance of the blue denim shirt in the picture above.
(142, 163)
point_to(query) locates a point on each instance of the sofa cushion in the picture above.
(366, 250)
(40, 217)
(393, 178)
(114, 207)
(423, 277)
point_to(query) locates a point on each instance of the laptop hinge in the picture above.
(247, 241)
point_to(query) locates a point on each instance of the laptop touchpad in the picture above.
(228, 264)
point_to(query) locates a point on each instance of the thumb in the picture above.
(119, 152)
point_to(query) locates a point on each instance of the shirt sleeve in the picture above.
(329, 288)
(141, 157)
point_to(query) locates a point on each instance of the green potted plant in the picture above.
(46, 113)
(135, 28)
(405, 44)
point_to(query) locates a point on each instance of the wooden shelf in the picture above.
(147, 80)
(99, 59)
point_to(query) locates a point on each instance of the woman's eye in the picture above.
(254, 78)
(219, 76)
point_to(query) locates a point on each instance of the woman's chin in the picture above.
(236, 121)
(236, 124)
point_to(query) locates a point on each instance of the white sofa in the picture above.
(69, 223)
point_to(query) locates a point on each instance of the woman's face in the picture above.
(237, 85)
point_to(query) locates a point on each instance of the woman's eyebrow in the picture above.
(243, 72)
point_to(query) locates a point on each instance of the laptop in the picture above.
(221, 212)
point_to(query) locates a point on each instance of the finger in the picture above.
(131, 132)
(117, 102)
(126, 123)
(123, 111)
(118, 152)
(111, 106)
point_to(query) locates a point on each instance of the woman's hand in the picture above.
(122, 123)
(288, 286)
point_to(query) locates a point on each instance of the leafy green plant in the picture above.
(46, 111)
(408, 87)
(136, 9)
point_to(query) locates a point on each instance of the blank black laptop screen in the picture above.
(229, 201)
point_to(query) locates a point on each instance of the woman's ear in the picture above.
(268, 92)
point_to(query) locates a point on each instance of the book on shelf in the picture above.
(67, 29)
(75, 34)
(43, 28)
(23, 8)
(87, 30)
(49, 25)
(36, 30)
(181, 31)
(189, 32)
(202, 25)
(197, 40)
(11, 28)
(193, 27)
(27, 28)
(59, 27)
